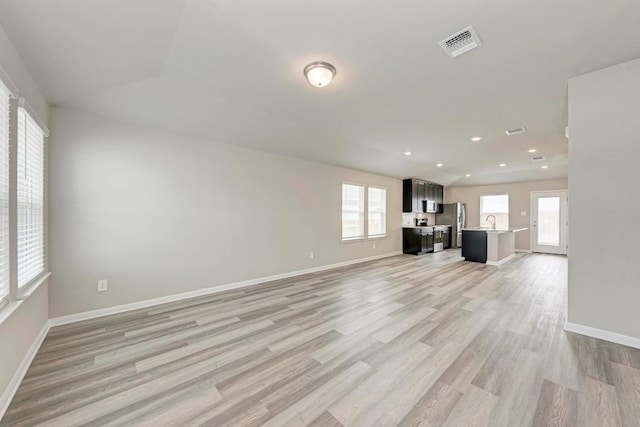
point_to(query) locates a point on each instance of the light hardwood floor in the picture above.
(406, 340)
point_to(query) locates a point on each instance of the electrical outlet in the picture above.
(312, 255)
(523, 213)
(103, 285)
(374, 246)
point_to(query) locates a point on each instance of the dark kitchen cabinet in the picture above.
(413, 193)
(417, 241)
(431, 191)
(439, 197)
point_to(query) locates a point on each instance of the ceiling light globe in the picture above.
(319, 74)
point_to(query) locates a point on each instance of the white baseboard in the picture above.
(13, 385)
(602, 334)
(87, 315)
(502, 261)
(524, 251)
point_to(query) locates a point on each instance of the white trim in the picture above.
(16, 380)
(27, 290)
(23, 103)
(502, 261)
(87, 315)
(526, 251)
(602, 334)
(9, 83)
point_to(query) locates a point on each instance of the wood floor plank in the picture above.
(557, 406)
(597, 404)
(404, 340)
(434, 407)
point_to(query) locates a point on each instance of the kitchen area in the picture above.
(429, 225)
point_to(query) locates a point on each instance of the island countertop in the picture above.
(491, 230)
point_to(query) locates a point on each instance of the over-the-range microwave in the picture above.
(430, 206)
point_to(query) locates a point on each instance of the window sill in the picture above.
(363, 239)
(8, 309)
(359, 239)
(27, 290)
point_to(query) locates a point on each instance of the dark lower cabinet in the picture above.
(446, 238)
(417, 241)
(474, 246)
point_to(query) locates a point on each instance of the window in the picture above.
(30, 198)
(497, 206)
(352, 211)
(4, 192)
(377, 212)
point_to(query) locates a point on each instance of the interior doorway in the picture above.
(549, 221)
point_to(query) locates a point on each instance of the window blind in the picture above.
(5, 96)
(377, 212)
(352, 212)
(30, 198)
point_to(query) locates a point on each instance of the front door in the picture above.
(549, 221)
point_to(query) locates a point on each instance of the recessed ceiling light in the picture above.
(319, 73)
(468, 175)
(532, 150)
(502, 165)
(407, 153)
(439, 165)
(544, 167)
(476, 138)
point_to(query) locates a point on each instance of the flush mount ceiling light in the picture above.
(468, 175)
(407, 153)
(319, 73)
(545, 167)
(532, 150)
(476, 138)
(439, 165)
(502, 165)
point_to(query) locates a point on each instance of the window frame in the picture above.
(30, 120)
(361, 212)
(365, 212)
(7, 295)
(17, 295)
(369, 211)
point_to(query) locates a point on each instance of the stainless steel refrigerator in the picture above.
(453, 214)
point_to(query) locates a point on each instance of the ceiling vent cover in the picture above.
(516, 131)
(538, 158)
(461, 42)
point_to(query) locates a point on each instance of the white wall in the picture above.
(16, 70)
(604, 148)
(159, 214)
(519, 201)
(18, 331)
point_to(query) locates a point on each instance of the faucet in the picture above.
(493, 224)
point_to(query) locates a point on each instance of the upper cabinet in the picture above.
(415, 191)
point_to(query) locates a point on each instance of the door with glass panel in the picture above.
(549, 221)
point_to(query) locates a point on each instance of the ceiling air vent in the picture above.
(516, 131)
(537, 158)
(461, 42)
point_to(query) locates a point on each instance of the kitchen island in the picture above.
(489, 246)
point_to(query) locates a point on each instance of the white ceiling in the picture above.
(231, 71)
